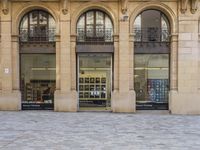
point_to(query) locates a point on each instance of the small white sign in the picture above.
(6, 70)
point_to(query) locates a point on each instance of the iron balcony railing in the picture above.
(37, 35)
(94, 36)
(151, 34)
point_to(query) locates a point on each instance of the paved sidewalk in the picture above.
(45, 130)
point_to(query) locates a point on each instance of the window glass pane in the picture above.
(52, 24)
(90, 18)
(24, 22)
(81, 22)
(43, 18)
(99, 18)
(138, 28)
(151, 77)
(38, 75)
(94, 84)
(24, 29)
(165, 29)
(33, 17)
(137, 23)
(40, 28)
(108, 23)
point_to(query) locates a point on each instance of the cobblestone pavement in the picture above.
(45, 130)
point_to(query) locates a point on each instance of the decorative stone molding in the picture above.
(124, 6)
(116, 37)
(184, 6)
(194, 6)
(64, 9)
(124, 10)
(5, 7)
(73, 38)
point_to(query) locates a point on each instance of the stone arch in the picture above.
(158, 6)
(21, 12)
(89, 6)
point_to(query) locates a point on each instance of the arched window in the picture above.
(151, 26)
(151, 60)
(37, 25)
(94, 25)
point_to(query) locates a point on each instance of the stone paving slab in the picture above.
(46, 130)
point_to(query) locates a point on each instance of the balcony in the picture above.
(98, 40)
(151, 40)
(37, 36)
(151, 35)
(97, 36)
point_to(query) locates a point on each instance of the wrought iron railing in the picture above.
(37, 35)
(92, 36)
(151, 34)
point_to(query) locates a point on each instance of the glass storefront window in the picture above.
(94, 81)
(151, 78)
(38, 76)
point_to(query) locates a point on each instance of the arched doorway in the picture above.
(94, 60)
(37, 60)
(151, 59)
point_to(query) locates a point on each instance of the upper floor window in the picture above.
(94, 25)
(37, 25)
(151, 26)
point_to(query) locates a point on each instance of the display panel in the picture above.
(94, 80)
(38, 75)
(152, 80)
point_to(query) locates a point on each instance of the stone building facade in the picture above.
(116, 55)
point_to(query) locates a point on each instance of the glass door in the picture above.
(94, 81)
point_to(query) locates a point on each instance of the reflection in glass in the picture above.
(38, 77)
(151, 26)
(37, 25)
(95, 71)
(152, 77)
(94, 25)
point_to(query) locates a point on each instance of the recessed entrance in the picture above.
(94, 81)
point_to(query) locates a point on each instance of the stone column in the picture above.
(131, 56)
(173, 69)
(65, 98)
(57, 38)
(124, 99)
(9, 99)
(116, 63)
(73, 63)
(184, 96)
(174, 63)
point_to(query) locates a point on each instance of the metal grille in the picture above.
(151, 34)
(91, 35)
(37, 35)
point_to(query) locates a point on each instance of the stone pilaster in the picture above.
(185, 100)
(9, 97)
(65, 98)
(123, 100)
